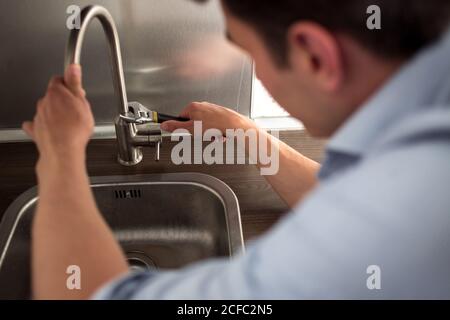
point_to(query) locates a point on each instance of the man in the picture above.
(372, 222)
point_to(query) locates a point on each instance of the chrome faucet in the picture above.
(130, 137)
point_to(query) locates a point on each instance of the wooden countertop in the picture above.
(260, 206)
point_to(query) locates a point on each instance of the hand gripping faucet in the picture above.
(130, 138)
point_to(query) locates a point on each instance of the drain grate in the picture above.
(128, 194)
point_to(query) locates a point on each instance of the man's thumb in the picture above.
(28, 127)
(73, 81)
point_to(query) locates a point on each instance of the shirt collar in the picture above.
(420, 83)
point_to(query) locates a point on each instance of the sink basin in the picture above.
(161, 221)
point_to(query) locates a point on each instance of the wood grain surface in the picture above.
(260, 206)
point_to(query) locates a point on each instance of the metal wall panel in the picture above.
(174, 53)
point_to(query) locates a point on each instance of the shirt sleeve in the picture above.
(327, 248)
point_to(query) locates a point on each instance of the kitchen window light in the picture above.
(267, 113)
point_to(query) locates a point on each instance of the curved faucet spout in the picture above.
(130, 141)
(75, 45)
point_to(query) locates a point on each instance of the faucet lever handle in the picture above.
(158, 150)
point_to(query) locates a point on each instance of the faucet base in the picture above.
(137, 159)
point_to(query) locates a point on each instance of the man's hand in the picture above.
(212, 117)
(68, 229)
(63, 123)
(296, 175)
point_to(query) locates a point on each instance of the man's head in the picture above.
(319, 59)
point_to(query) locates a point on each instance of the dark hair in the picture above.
(407, 25)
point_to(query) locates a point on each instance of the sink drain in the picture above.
(139, 261)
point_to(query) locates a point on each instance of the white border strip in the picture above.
(108, 132)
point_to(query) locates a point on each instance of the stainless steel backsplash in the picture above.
(174, 53)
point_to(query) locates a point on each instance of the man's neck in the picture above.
(366, 75)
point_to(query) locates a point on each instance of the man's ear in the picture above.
(315, 52)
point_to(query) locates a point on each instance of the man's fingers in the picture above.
(28, 127)
(73, 80)
(172, 125)
(185, 113)
(55, 82)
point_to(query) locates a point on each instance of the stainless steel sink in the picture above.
(161, 221)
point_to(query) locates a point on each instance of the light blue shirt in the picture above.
(383, 204)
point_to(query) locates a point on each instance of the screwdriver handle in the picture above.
(161, 117)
